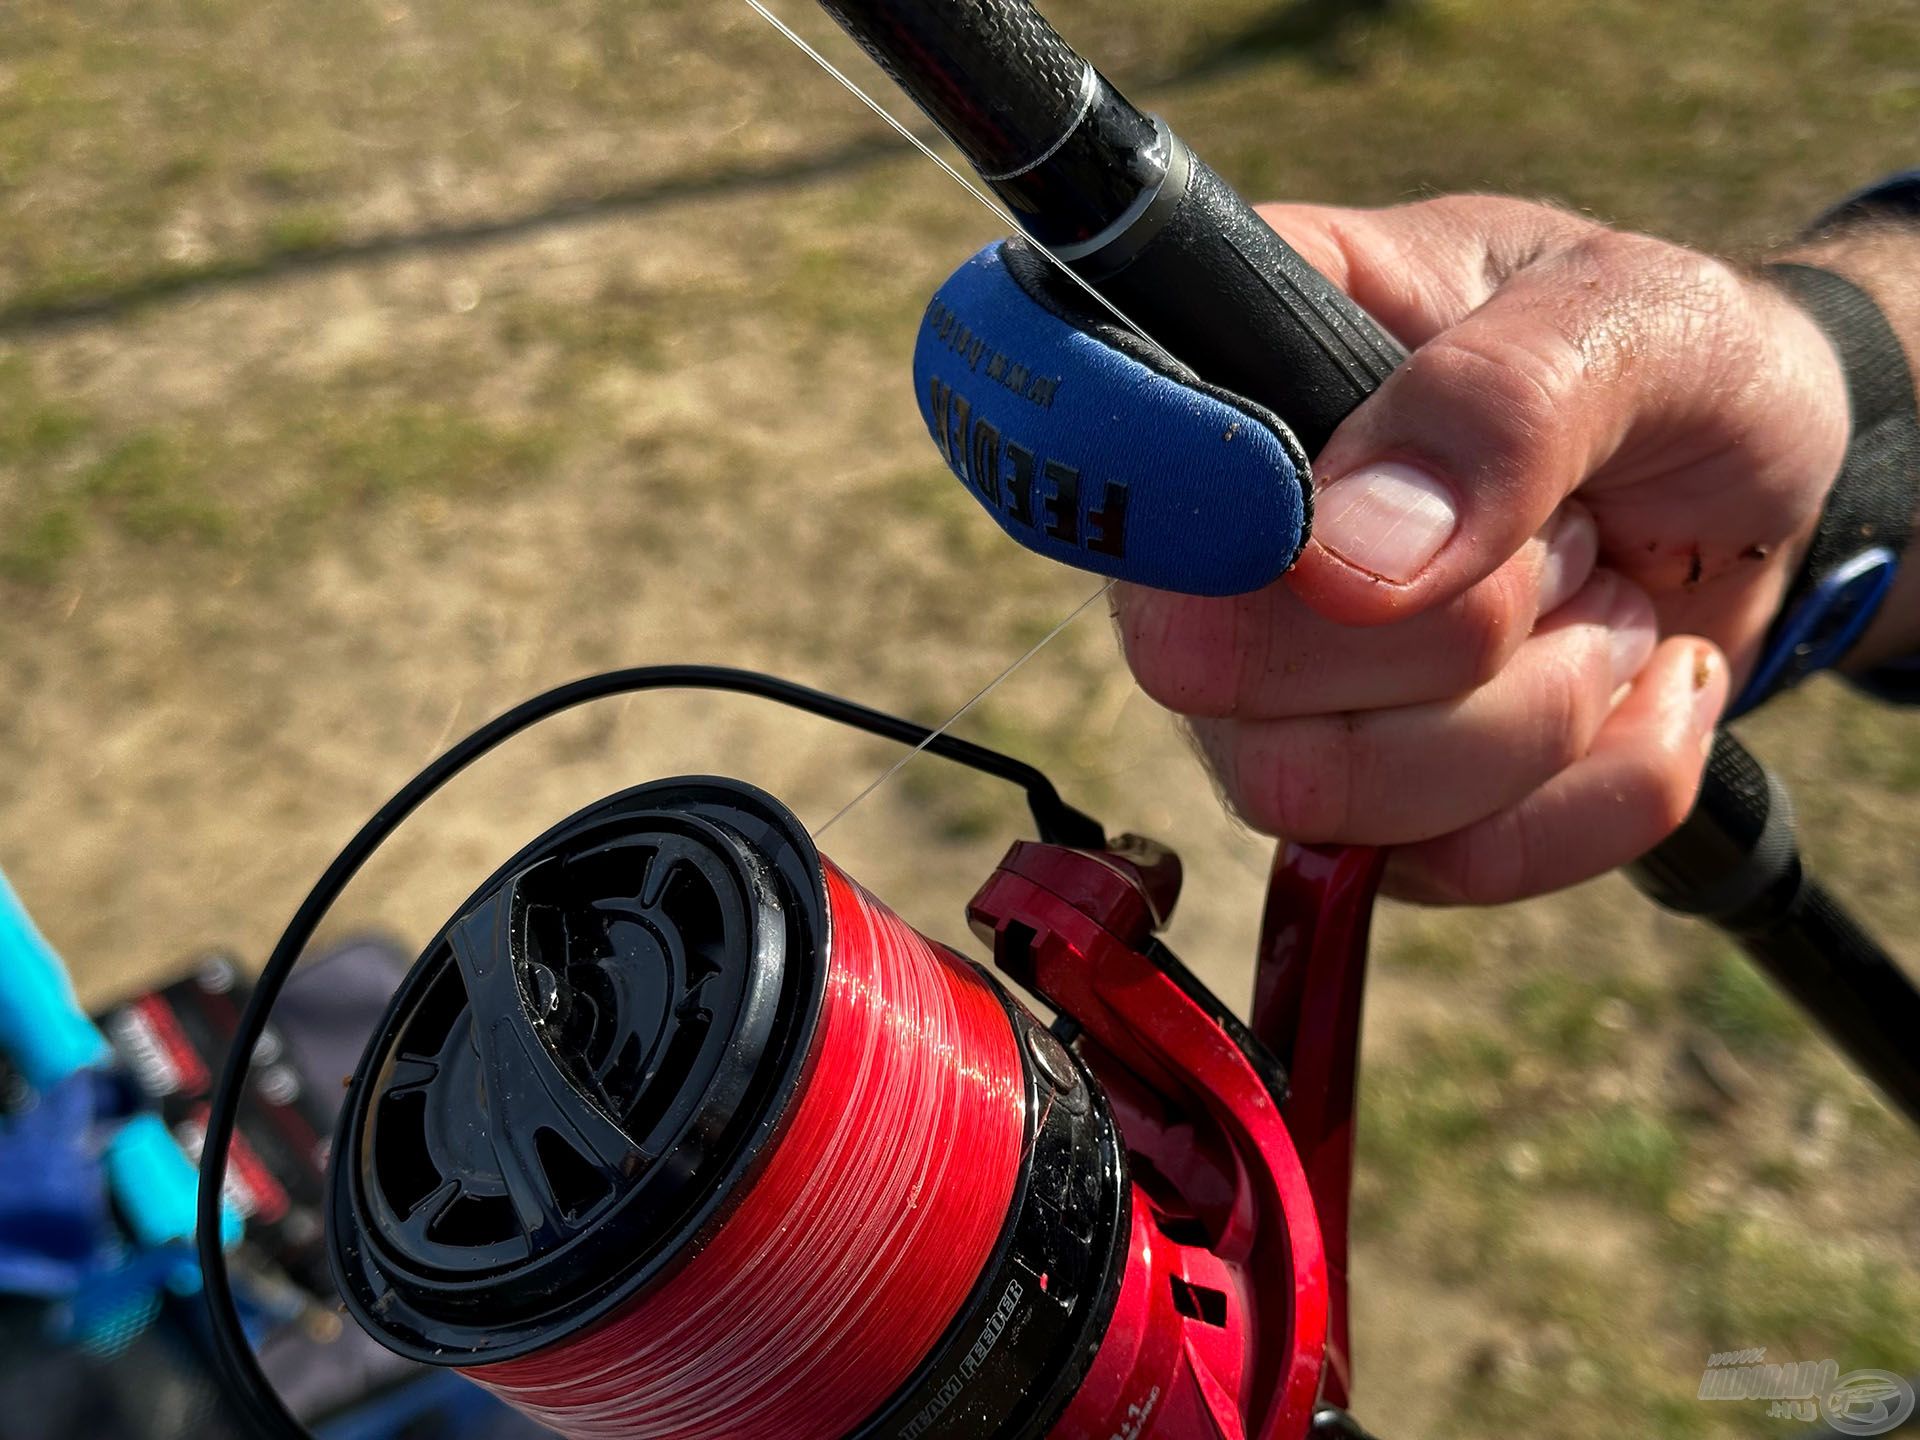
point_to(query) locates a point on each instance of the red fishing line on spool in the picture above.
(855, 1248)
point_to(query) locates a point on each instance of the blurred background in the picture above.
(365, 367)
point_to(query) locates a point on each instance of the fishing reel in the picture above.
(675, 1131)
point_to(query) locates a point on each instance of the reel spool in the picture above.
(676, 1132)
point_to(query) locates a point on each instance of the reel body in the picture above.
(674, 1131)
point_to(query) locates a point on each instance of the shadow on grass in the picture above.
(1314, 28)
(38, 312)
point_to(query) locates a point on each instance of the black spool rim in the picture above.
(504, 1305)
(1069, 1222)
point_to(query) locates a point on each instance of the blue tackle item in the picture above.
(114, 1306)
(59, 1239)
(154, 1185)
(1096, 449)
(55, 1227)
(43, 1030)
(46, 1034)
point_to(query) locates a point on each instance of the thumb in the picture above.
(1438, 478)
(1419, 269)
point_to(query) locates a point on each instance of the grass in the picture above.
(1626, 1155)
(1624, 1239)
(622, 324)
(1809, 1295)
(1580, 1019)
(31, 426)
(1732, 998)
(171, 486)
(417, 447)
(152, 485)
(1436, 949)
(256, 130)
(1427, 1120)
(1873, 747)
(306, 230)
(39, 543)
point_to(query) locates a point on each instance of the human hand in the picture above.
(1542, 552)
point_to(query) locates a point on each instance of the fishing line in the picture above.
(996, 210)
(852, 87)
(955, 718)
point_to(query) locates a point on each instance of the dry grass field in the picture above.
(366, 366)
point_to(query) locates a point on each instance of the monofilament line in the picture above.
(998, 211)
(893, 122)
(955, 718)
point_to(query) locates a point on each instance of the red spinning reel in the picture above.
(674, 1131)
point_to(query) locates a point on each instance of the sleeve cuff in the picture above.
(1897, 196)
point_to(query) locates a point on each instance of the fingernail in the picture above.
(1630, 633)
(1389, 520)
(1708, 698)
(1572, 545)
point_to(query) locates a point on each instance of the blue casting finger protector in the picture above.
(1091, 449)
(49, 1037)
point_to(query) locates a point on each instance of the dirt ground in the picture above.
(363, 372)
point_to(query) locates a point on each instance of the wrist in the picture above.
(1810, 367)
(1846, 606)
(1881, 255)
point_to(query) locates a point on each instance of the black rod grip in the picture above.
(1120, 198)
(1735, 861)
(1216, 288)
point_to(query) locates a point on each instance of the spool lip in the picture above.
(1055, 1273)
(656, 1038)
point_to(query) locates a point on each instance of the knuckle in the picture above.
(1648, 297)
(1521, 232)
(1504, 215)
(1292, 778)
(1700, 286)
(1179, 657)
(1509, 390)
(1616, 252)
(1488, 628)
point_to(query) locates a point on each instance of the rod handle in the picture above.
(1214, 286)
